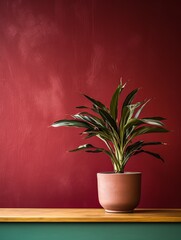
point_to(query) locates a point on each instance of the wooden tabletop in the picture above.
(87, 215)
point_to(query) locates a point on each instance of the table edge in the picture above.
(92, 215)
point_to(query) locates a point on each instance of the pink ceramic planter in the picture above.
(119, 192)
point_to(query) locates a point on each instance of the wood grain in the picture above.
(87, 215)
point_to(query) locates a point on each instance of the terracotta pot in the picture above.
(119, 192)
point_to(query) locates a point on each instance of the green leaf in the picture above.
(141, 108)
(136, 148)
(132, 108)
(123, 122)
(124, 117)
(152, 121)
(94, 151)
(156, 155)
(156, 118)
(130, 97)
(97, 122)
(136, 122)
(96, 103)
(127, 113)
(153, 143)
(82, 147)
(131, 149)
(103, 134)
(146, 129)
(81, 107)
(91, 149)
(108, 119)
(114, 101)
(70, 123)
(133, 122)
(90, 134)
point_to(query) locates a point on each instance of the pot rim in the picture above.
(124, 173)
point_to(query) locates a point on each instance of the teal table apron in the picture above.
(90, 231)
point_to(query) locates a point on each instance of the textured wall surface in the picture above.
(51, 51)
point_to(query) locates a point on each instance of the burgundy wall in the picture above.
(50, 52)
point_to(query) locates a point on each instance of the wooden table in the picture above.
(65, 224)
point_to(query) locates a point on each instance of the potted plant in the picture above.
(118, 191)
